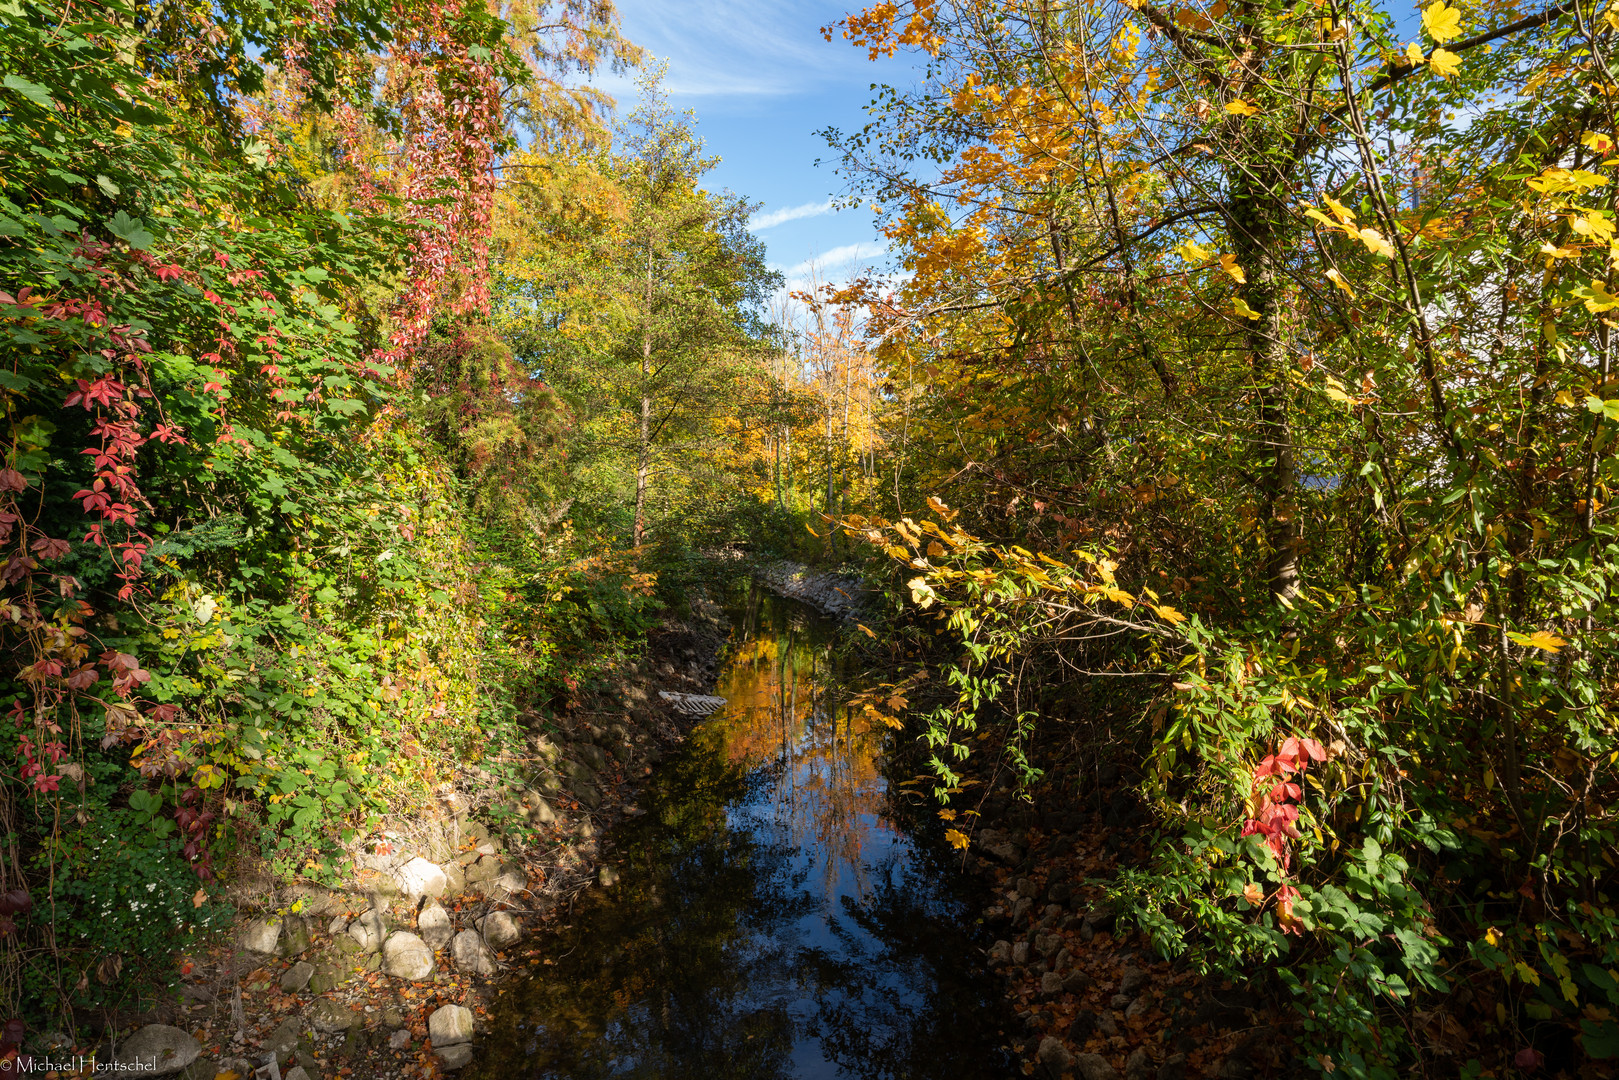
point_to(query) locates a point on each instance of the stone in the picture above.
(1080, 1030)
(393, 1018)
(1020, 953)
(338, 925)
(511, 879)
(294, 938)
(1025, 887)
(1000, 954)
(373, 962)
(1173, 1068)
(284, 1039)
(369, 931)
(484, 869)
(587, 794)
(1064, 958)
(1106, 1025)
(1094, 1067)
(540, 811)
(449, 1025)
(406, 956)
(471, 955)
(329, 1016)
(297, 1072)
(1020, 910)
(260, 936)
(419, 878)
(607, 876)
(454, 1057)
(1135, 980)
(455, 879)
(158, 1050)
(1050, 984)
(1138, 1007)
(1053, 1055)
(500, 930)
(1119, 1001)
(330, 973)
(591, 755)
(297, 976)
(1139, 1066)
(399, 1040)
(433, 924)
(1076, 982)
(1047, 944)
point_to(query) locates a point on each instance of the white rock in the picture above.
(450, 1025)
(297, 1072)
(406, 956)
(500, 930)
(369, 931)
(399, 1040)
(421, 878)
(471, 954)
(158, 1050)
(260, 936)
(338, 924)
(455, 1057)
(433, 924)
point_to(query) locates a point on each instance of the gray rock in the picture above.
(338, 925)
(406, 956)
(1000, 954)
(284, 1039)
(1138, 1007)
(500, 930)
(1107, 1025)
(434, 926)
(591, 755)
(608, 877)
(449, 1025)
(1119, 1001)
(1139, 1066)
(1094, 1067)
(297, 976)
(329, 974)
(1050, 984)
(455, 1057)
(260, 936)
(471, 954)
(158, 1050)
(1173, 1068)
(455, 879)
(1025, 887)
(393, 1017)
(297, 1072)
(369, 931)
(1054, 1055)
(419, 877)
(484, 869)
(1064, 958)
(1020, 910)
(1135, 980)
(587, 794)
(540, 811)
(399, 1040)
(329, 1016)
(1076, 982)
(512, 879)
(294, 937)
(1047, 944)
(1020, 953)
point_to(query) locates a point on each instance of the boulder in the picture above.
(433, 924)
(500, 930)
(284, 1039)
(260, 936)
(449, 1025)
(158, 1050)
(421, 878)
(329, 1016)
(369, 931)
(297, 1072)
(591, 755)
(406, 956)
(1020, 953)
(486, 868)
(329, 974)
(455, 879)
(455, 1057)
(297, 976)
(1094, 1067)
(1050, 984)
(1000, 954)
(1139, 1066)
(1054, 1055)
(1135, 980)
(338, 925)
(540, 811)
(294, 937)
(471, 955)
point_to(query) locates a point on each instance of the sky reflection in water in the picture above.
(772, 920)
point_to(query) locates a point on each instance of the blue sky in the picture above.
(762, 81)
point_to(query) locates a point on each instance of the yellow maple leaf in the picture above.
(1192, 252)
(1241, 108)
(1375, 243)
(1339, 210)
(1240, 306)
(1445, 62)
(1228, 263)
(1338, 280)
(1557, 181)
(1598, 142)
(1413, 55)
(956, 838)
(1252, 893)
(1594, 225)
(1442, 21)
(1169, 614)
(1540, 639)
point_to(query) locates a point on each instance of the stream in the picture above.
(773, 917)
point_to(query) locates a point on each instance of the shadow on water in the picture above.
(772, 919)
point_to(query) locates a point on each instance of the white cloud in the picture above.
(839, 258)
(791, 213)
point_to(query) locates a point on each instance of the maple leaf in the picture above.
(1192, 252)
(1253, 893)
(1540, 639)
(1241, 108)
(1375, 243)
(1228, 263)
(1413, 55)
(956, 838)
(1445, 62)
(1240, 306)
(1338, 280)
(1442, 21)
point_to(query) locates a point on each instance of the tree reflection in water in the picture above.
(771, 920)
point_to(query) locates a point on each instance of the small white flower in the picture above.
(151, 885)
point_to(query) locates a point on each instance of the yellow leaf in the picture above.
(1597, 297)
(1240, 306)
(956, 838)
(1241, 108)
(1445, 62)
(1375, 243)
(1598, 142)
(1493, 936)
(922, 593)
(1413, 55)
(1594, 225)
(1191, 252)
(1557, 181)
(935, 549)
(1540, 639)
(1169, 614)
(1339, 210)
(1228, 263)
(867, 629)
(1335, 390)
(1252, 893)
(1338, 280)
(1564, 398)
(1528, 974)
(1442, 22)
(947, 815)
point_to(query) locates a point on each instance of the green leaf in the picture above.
(32, 91)
(130, 231)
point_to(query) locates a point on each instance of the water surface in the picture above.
(774, 919)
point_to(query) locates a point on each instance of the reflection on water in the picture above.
(771, 920)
